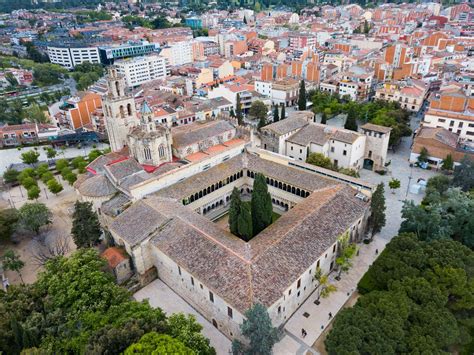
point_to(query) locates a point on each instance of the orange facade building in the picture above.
(80, 115)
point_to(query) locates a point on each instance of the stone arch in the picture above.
(117, 88)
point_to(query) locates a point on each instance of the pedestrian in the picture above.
(376, 252)
(303, 332)
(330, 315)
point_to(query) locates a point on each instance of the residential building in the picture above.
(69, 56)
(109, 54)
(141, 70)
(178, 53)
(410, 95)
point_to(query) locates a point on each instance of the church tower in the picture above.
(119, 110)
(150, 143)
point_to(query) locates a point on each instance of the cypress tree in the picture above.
(351, 122)
(85, 225)
(262, 209)
(245, 227)
(234, 211)
(302, 97)
(377, 206)
(283, 114)
(238, 110)
(324, 118)
(276, 118)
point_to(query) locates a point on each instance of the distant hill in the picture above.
(10, 5)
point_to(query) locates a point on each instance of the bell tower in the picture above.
(119, 110)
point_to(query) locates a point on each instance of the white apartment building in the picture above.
(140, 70)
(70, 57)
(178, 53)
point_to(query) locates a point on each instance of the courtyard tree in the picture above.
(33, 216)
(423, 156)
(54, 186)
(41, 169)
(28, 182)
(11, 261)
(30, 157)
(302, 97)
(319, 159)
(346, 253)
(70, 178)
(47, 176)
(234, 211)
(85, 230)
(448, 163)
(33, 192)
(261, 204)
(394, 184)
(351, 120)
(61, 164)
(8, 220)
(10, 176)
(282, 113)
(325, 288)
(238, 111)
(94, 154)
(258, 110)
(464, 174)
(186, 329)
(276, 116)
(258, 329)
(50, 153)
(245, 223)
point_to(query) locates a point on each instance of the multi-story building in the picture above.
(29, 133)
(178, 53)
(410, 95)
(451, 109)
(300, 40)
(281, 92)
(143, 69)
(69, 56)
(356, 83)
(109, 54)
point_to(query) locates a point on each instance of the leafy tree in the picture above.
(36, 114)
(324, 118)
(234, 211)
(282, 113)
(33, 216)
(47, 176)
(61, 164)
(377, 207)
(12, 261)
(245, 223)
(186, 329)
(276, 118)
(154, 343)
(42, 169)
(94, 154)
(54, 186)
(71, 178)
(258, 110)
(33, 192)
(423, 156)
(77, 161)
(85, 230)
(346, 253)
(366, 27)
(232, 112)
(8, 221)
(261, 204)
(302, 97)
(319, 159)
(325, 288)
(26, 173)
(394, 184)
(448, 163)
(10, 176)
(436, 187)
(30, 157)
(50, 153)
(28, 182)
(257, 327)
(464, 174)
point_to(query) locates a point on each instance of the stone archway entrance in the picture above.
(368, 164)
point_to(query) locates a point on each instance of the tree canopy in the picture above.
(86, 229)
(33, 216)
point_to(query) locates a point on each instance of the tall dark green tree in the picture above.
(351, 120)
(238, 110)
(464, 174)
(245, 222)
(302, 97)
(276, 117)
(282, 113)
(324, 118)
(258, 328)
(85, 225)
(377, 206)
(234, 211)
(261, 203)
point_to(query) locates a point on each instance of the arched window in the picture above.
(298, 192)
(293, 190)
(161, 151)
(212, 188)
(129, 109)
(117, 88)
(280, 185)
(147, 153)
(122, 112)
(220, 184)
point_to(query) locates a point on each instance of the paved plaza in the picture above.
(160, 295)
